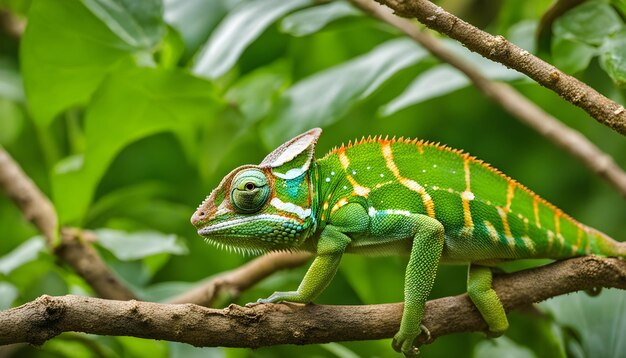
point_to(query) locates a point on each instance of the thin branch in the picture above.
(32, 202)
(236, 281)
(499, 49)
(515, 103)
(271, 324)
(70, 246)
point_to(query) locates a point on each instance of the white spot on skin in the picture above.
(291, 173)
(332, 173)
(373, 212)
(345, 187)
(368, 168)
(435, 187)
(467, 195)
(354, 172)
(434, 165)
(327, 179)
(291, 208)
(423, 170)
(382, 175)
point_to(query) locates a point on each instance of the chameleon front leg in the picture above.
(479, 290)
(419, 279)
(330, 247)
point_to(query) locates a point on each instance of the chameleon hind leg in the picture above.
(479, 279)
(420, 275)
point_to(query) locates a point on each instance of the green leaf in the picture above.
(66, 52)
(138, 23)
(181, 350)
(571, 56)
(131, 105)
(600, 322)
(137, 245)
(444, 79)
(323, 98)
(12, 121)
(10, 80)
(8, 294)
(255, 93)
(309, 21)
(613, 58)
(501, 347)
(25, 253)
(240, 28)
(194, 19)
(138, 347)
(589, 22)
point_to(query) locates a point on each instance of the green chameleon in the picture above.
(399, 196)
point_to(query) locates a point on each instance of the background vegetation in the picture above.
(127, 113)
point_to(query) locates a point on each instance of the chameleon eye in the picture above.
(250, 191)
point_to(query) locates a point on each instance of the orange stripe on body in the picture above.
(345, 163)
(411, 184)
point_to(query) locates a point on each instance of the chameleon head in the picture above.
(265, 207)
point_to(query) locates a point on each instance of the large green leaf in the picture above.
(10, 80)
(26, 252)
(308, 21)
(590, 22)
(501, 347)
(600, 322)
(194, 19)
(128, 106)
(444, 79)
(242, 26)
(66, 52)
(613, 58)
(323, 98)
(138, 23)
(133, 246)
(571, 56)
(8, 294)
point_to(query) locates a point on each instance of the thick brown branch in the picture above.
(70, 248)
(242, 278)
(270, 324)
(515, 103)
(498, 49)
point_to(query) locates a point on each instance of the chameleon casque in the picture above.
(392, 197)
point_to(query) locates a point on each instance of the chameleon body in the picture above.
(392, 196)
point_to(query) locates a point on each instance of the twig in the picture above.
(499, 49)
(242, 278)
(271, 324)
(519, 106)
(70, 248)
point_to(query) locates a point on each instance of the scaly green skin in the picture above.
(382, 196)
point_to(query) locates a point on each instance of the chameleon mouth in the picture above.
(216, 228)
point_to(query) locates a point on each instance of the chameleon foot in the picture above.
(403, 342)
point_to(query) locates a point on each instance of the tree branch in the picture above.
(271, 324)
(499, 49)
(70, 246)
(236, 281)
(511, 100)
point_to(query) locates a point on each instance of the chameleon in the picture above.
(381, 196)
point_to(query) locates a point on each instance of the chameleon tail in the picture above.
(603, 245)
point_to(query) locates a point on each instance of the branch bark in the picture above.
(69, 246)
(271, 324)
(515, 103)
(236, 281)
(499, 49)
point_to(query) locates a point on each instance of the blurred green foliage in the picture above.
(127, 113)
